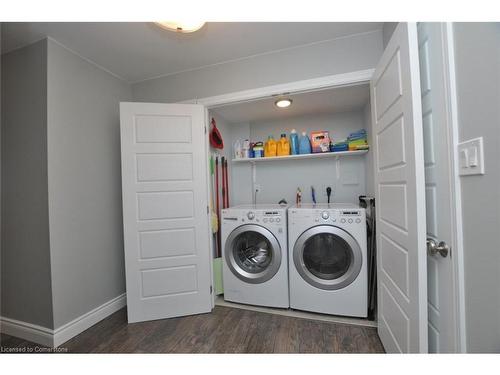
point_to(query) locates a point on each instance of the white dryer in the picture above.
(328, 259)
(255, 255)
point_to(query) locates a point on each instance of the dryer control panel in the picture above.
(330, 216)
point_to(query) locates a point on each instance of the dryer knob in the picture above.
(325, 215)
(250, 215)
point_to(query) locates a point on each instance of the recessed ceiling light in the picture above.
(182, 27)
(283, 103)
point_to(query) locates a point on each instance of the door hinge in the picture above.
(211, 289)
(205, 129)
(208, 210)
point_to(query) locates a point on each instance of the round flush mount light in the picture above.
(182, 27)
(283, 103)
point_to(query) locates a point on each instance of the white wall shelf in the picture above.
(302, 156)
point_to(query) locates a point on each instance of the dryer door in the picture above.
(327, 257)
(252, 253)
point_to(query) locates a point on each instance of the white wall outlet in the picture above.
(471, 157)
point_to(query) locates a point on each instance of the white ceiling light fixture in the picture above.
(283, 103)
(182, 26)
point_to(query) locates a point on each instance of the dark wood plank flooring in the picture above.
(225, 330)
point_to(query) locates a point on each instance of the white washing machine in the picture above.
(328, 259)
(255, 255)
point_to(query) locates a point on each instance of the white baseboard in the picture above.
(80, 324)
(27, 331)
(54, 338)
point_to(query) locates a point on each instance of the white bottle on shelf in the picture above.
(237, 150)
(246, 149)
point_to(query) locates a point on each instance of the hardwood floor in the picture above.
(225, 330)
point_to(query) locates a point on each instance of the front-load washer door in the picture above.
(327, 257)
(252, 253)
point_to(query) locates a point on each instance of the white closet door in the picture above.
(400, 193)
(166, 234)
(439, 182)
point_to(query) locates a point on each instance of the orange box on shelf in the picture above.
(320, 141)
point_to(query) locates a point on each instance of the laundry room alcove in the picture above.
(340, 111)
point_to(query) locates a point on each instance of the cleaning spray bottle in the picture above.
(304, 144)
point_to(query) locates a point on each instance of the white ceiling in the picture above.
(137, 51)
(341, 99)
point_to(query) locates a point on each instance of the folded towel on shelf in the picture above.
(358, 140)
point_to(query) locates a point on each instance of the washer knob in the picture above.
(358, 221)
(271, 220)
(325, 215)
(342, 220)
(278, 219)
(350, 221)
(250, 215)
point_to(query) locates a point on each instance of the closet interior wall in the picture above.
(278, 180)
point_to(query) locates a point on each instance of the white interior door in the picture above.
(166, 234)
(438, 186)
(400, 195)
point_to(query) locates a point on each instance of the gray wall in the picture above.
(477, 58)
(85, 208)
(342, 55)
(62, 243)
(26, 270)
(387, 31)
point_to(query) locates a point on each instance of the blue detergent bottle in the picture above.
(294, 142)
(304, 144)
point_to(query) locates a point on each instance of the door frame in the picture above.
(362, 77)
(455, 189)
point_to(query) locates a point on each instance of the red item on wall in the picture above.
(215, 137)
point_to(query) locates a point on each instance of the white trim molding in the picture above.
(457, 240)
(80, 324)
(56, 337)
(337, 80)
(27, 331)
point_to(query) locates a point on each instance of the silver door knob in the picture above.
(442, 248)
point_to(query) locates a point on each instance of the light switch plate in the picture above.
(471, 157)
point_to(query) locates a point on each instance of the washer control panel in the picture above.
(254, 216)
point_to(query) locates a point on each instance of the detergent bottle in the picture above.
(283, 146)
(294, 142)
(270, 147)
(304, 144)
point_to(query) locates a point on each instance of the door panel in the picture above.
(166, 235)
(438, 180)
(400, 193)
